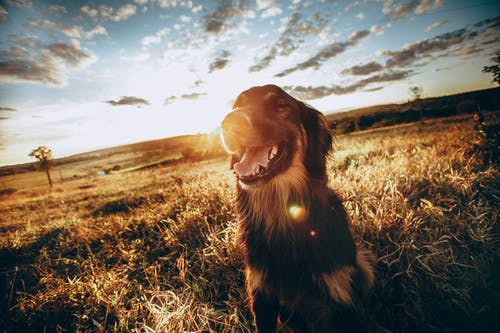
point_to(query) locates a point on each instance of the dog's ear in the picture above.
(319, 139)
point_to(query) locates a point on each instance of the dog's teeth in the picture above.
(272, 152)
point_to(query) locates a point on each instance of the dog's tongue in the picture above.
(252, 158)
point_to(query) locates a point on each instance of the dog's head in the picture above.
(268, 131)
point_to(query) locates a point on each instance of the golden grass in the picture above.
(154, 250)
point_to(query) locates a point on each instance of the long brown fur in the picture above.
(303, 271)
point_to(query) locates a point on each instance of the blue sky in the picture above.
(82, 75)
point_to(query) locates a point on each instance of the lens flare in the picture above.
(297, 213)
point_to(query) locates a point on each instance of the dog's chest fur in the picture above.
(288, 251)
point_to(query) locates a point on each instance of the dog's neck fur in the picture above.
(271, 203)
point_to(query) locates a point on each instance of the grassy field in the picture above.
(153, 250)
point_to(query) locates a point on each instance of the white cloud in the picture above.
(124, 12)
(271, 12)
(156, 38)
(70, 31)
(263, 4)
(435, 25)
(360, 16)
(197, 9)
(377, 29)
(184, 19)
(91, 12)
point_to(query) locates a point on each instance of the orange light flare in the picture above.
(297, 213)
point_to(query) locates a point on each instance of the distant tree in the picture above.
(494, 69)
(44, 155)
(416, 94)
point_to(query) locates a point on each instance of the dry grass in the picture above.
(154, 251)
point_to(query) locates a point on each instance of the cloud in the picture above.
(193, 96)
(361, 16)
(89, 11)
(220, 61)
(401, 10)
(70, 31)
(435, 25)
(124, 12)
(377, 29)
(56, 9)
(38, 63)
(292, 32)
(69, 52)
(170, 100)
(365, 69)
(21, 4)
(156, 38)
(216, 22)
(128, 100)
(190, 96)
(3, 14)
(2, 108)
(173, 3)
(271, 12)
(411, 53)
(309, 93)
(329, 51)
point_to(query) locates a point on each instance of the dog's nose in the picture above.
(236, 121)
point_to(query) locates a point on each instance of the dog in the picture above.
(303, 270)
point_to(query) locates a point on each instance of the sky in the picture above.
(81, 75)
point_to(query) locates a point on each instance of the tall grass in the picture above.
(154, 250)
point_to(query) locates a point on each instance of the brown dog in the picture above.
(302, 266)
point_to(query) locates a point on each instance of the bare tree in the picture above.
(416, 94)
(44, 155)
(494, 69)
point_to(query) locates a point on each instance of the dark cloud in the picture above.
(2, 108)
(129, 100)
(217, 21)
(71, 53)
(220, 61)
(493, 22)
(28, 69)
(35, 62)
(412, 53)
(365, 69)
(289, 41)
(327, 52)
(309, 93)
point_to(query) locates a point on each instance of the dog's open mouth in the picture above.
(259, 163)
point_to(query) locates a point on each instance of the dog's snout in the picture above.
(235, 122)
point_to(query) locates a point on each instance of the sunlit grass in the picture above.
(154, 250)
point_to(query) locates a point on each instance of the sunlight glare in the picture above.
(297, 213)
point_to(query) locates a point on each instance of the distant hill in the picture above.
(435, 107)
(191, 147)
(136, 155)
